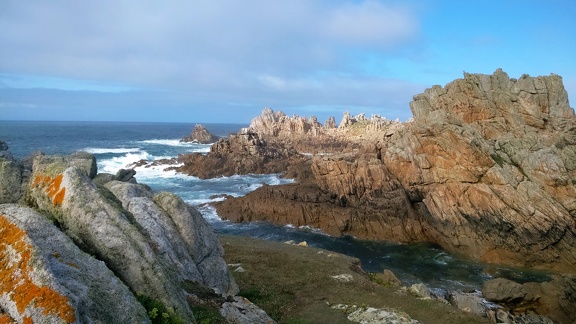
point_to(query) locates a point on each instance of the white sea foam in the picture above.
(97, 150)
(114, 164)
(209, 213)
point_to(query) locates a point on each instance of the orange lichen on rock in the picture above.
(5, 319)
(53, 187)
(15, 279)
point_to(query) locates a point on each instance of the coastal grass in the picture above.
(294, 284)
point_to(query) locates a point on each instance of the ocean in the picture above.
(117, 145)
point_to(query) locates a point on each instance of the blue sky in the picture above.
(225, 60)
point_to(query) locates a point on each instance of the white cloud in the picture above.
(292, 52)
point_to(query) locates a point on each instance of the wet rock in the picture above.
(45, 278)
(126, 175)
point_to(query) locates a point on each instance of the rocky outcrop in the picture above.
(200, 135)
(490, 158)
(180, 235)
(102, 248)
(485, 168)
(555, 298)
(156, 244)
(11, 176)
(45, 278)
(240, 153)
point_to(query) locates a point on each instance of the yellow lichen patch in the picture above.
(53, 187)
(37, 180)
(15, 280)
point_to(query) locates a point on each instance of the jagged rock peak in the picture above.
(200, 135)
(278, 124)
(374, 123)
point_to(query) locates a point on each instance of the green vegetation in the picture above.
(293, 284)
(158, 312)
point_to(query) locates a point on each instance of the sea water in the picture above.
(117, 145)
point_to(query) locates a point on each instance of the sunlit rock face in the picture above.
(492, 159)
(486, 167)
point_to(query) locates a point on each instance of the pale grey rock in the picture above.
(11, 179)
(92, 292)
(468, 302)
(99, 224)
(180, 234)
(201, 242)
(103, 178)
(55, 164)
(420, 290)
(242, 311)
(371, 315)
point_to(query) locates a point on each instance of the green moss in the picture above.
(379, 281)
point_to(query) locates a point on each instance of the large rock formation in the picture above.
(89, 252)
(200, 135)
(492, 159)
(155, 246)
(486, 168)
(45, 278)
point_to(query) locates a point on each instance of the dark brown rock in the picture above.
(240, 153)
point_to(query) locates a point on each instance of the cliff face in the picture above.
(492, 159)
(485, 168)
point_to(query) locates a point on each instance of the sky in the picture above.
(223, 61)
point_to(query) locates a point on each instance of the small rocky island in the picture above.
(200, 135)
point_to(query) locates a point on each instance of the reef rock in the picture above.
(200, 135)
(45, 278)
